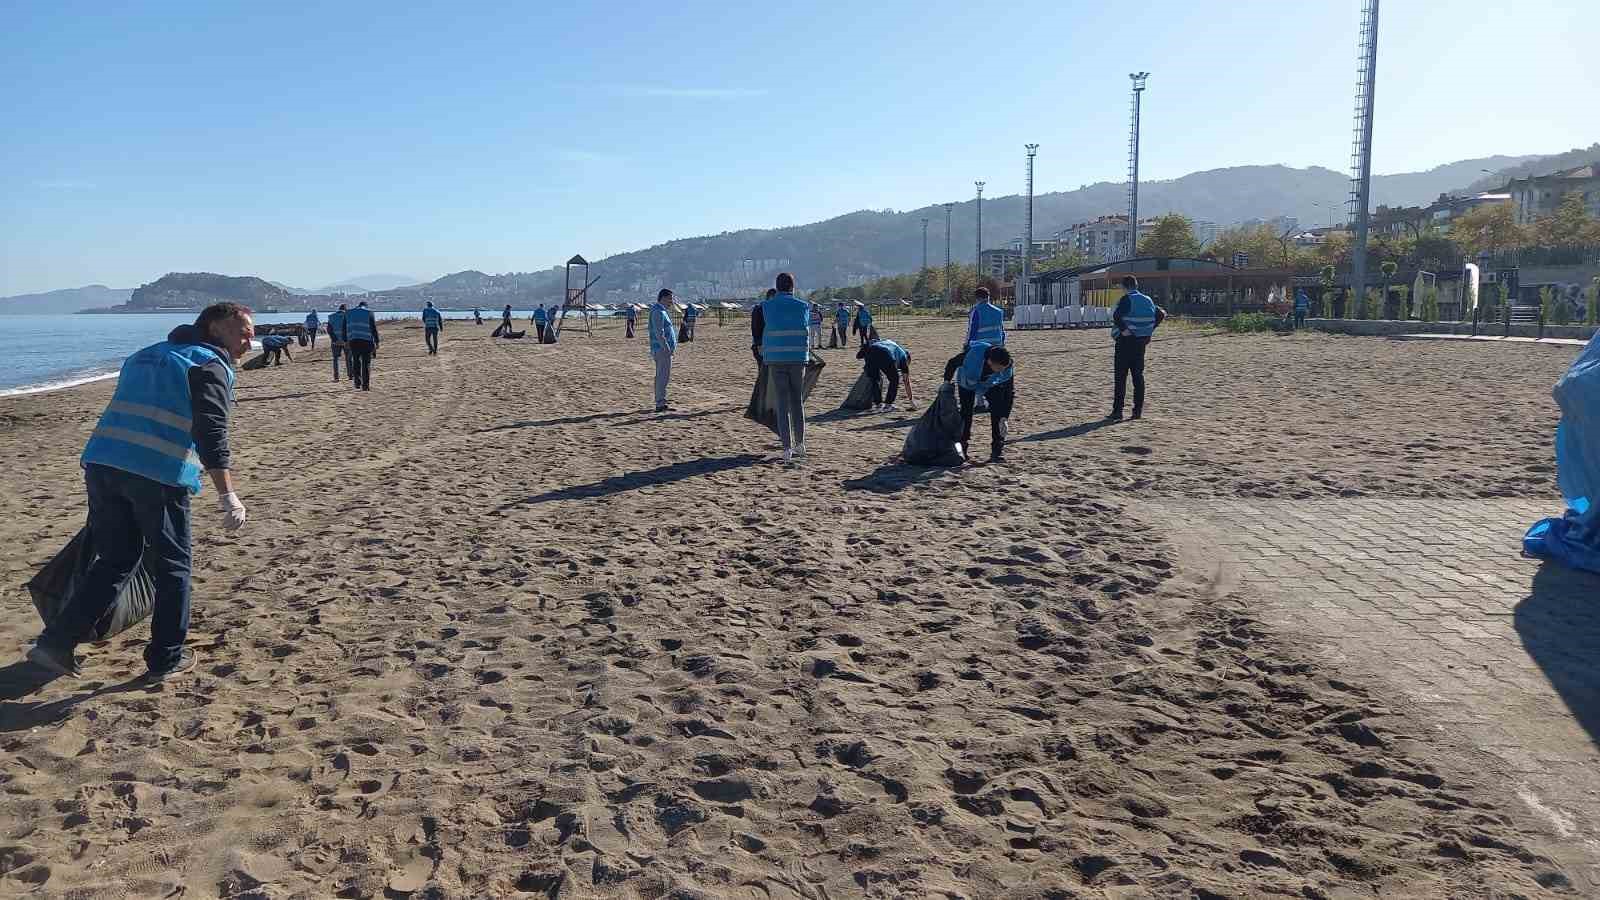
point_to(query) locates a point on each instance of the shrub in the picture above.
(1404, 294)
(1428, 304)
(1591, 309)
(1373, 308)
(1244, 323)
(1328, 297)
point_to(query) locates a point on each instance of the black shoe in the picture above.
(996, 459)
(1137, 415)
(185, 663)
(1114, 417)
(56, 662)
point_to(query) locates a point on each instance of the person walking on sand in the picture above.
(863, 323)
(691, 315)
(663, 343)
(540, 319)
(361, 341)
(816, 327)
(886, 359)
(631, 315)
(166, 423)
(1132, 323)
(841, 326)
(477, 315)
(1302, 308)
(983, 370)
(313, 322)
(336, 336)
(987, 322)
(505, 318)
(432, 323)
(784, 351)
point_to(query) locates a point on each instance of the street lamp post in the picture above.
(924, 273)
(1025, 294)
(1138, 79)
(949, 279)
(978, 259)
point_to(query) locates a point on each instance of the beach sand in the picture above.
(496, 629)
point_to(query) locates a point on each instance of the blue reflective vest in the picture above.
(312, 321)
(784, 333)
(842, 316)
(863, 317)
(973, 375)
(1302, 302)
(632, 313)
(431, 317)
(146, 428)
(987, 323)
(895, 350)
(691, 312)
(336, 325)
(663, 338)
(358, 325)
(539, 315)
(1141, 315)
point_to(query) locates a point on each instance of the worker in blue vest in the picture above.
(863, 323)
(313, 322)
(540, 320)
(631, 314)
(691, 315)
(841, 326)
(361, 343)
(984, 370)
(1302, 307)
(432, 322)
(276, 346)
(166, 424)
(1132, 323)
(886, 359)
(987, 322)
(815, 322)
(336, 336)
(663, 343)
(785, 352)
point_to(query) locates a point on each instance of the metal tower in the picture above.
(978, 259)
(1025, 295)
(1133, 164)
(1361, 152)
(924, 271)
(949, 280)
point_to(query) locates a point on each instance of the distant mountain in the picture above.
(70, 300)
(298, 292)
(1538, 165)
(364, 283)
(194, 290)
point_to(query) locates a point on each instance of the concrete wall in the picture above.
(1384, 327)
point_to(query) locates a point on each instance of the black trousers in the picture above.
(630, 329)
(1000, 398)
(877, 371)
(361, 363)
(1299, 318)
(431, 337)
(1129, 360)
(540, 326)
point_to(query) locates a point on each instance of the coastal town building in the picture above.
(1538, 196)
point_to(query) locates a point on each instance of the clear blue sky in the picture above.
(313, 144)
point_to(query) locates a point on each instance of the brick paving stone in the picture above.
(1433, 600)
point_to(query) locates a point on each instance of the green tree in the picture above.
(1388, 267)
(1428, 304)
(1328, 296)
(1171, 235)
(1403, 294)
(1373, 308)
(1591, 309)
(1547, 305)
(1569, 226)
(1489, 228)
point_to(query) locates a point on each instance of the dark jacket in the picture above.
(210, 398)
(882, 358)
(758, 324)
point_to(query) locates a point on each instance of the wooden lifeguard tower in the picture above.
(577, 297)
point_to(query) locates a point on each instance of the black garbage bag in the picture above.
(53, 585)
(550, 333)
(500, 329)
(259, 362)
(683, 333)
(936, 438)
(303, 339)
(860, 396)
(763, 406)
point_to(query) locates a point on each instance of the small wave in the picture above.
(58, 384)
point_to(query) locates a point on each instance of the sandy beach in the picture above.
(496, 629)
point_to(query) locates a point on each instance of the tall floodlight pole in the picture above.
(1025, 295)
(1361, 152)
(949, 278)
(978, 259)
(923, 273)
(1133, 164)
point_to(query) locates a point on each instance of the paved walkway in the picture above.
(1493, 338)
(1501, 653)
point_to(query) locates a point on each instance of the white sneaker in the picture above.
(788, 456)
(800, 451)
(890, 407)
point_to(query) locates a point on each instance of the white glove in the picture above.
(233, 514)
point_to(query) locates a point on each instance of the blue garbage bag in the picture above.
(1574, 538)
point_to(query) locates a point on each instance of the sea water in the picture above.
(46, 352)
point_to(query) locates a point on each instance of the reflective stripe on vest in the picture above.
(431, 317)
(1141, 315)
(358, 325)
(785, 334)
(145, 429)
(990, 321)
(336, 325)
